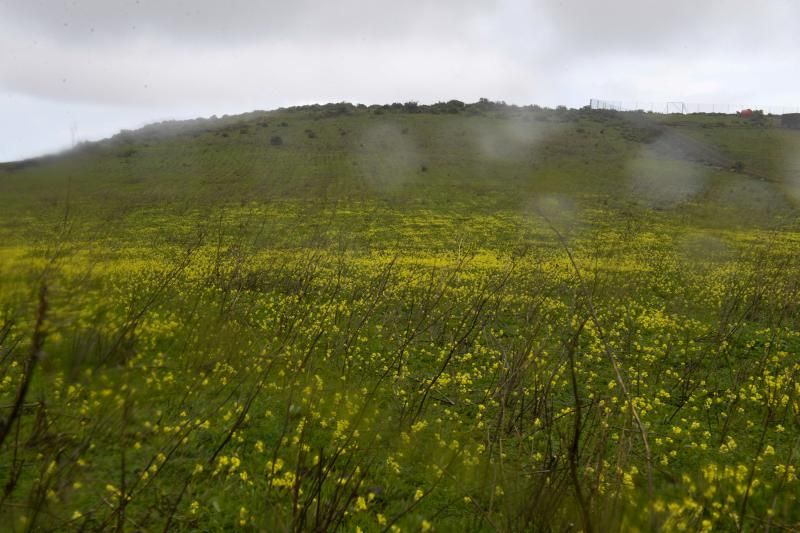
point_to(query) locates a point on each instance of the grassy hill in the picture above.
(451, 317)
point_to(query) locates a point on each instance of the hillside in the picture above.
(489, 158)
(459, 317)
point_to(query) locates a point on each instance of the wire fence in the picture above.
(686, 108)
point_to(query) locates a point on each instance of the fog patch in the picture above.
(388, 157)
(751, 198)
(666, 173)
(507, 139)
(558, 212)
(703, 247)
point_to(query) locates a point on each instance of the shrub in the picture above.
(276, 140)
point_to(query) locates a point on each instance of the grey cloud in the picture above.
(229, 22)
(647, 25)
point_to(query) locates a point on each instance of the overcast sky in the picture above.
(97, 66)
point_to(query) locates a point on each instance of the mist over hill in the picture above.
(491, 154)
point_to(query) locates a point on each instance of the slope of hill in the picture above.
(505, 156)
(460, 317)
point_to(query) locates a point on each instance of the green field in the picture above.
(402, 318)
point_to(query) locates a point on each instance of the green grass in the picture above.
(502, 318)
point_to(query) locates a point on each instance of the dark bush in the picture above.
(339, 109)
(276, 140)
(454, 106)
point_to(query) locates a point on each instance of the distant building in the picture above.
(791, 120)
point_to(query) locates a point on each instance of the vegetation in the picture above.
(455, 317)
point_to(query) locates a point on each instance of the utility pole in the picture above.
(73, 131)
